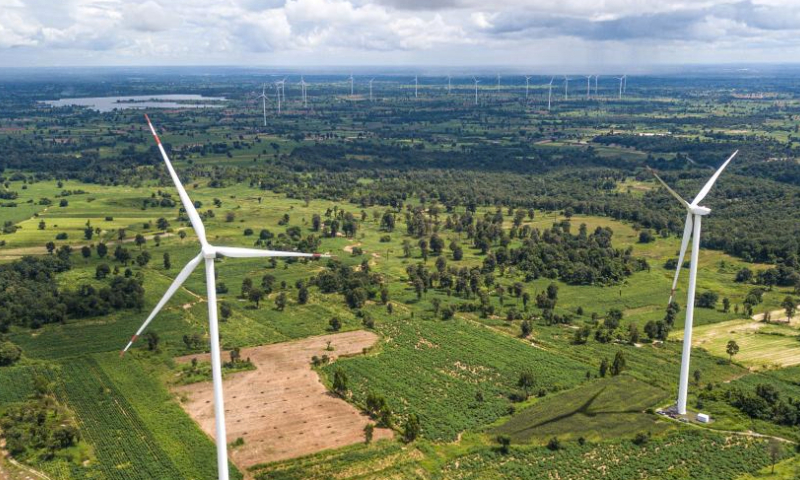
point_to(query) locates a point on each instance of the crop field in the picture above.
(607, 408)
(437, 369)
(281, 409)
(761, 345)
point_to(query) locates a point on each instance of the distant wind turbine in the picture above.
(566, 87)
(208, 253)
(691, 229)
(303, 85)
(550, 92)
(588, 86)
(527, 86)
(476, 89)
(448, 85)
(278, 87)
(263, 98)
(416, 86)
(370, 88)
(596, 77)
(621, 79)
(351, 84)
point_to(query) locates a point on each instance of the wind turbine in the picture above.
(416, 86)
(498, 81)
(621, 79)
(596, 77)
(303, 91)
(566, 87)
(351, 84)
(448, 85)
(278, 86)
(208, 253)
(476, 89)
(370, 88)
(527, 85)
(624, 83)
(550, 92)
(691, 229)
(588, 86)
(263, 98)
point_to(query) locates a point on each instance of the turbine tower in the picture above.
(263, 98)
(351, 84)
(208, 253)
(476, 89)
(621, 79)
(550, 92)
(278, 87)
(588, 86)
(498, 81)
(303, 91)
(691, 229)
(596, 77)
(370, 88)
(527, 86)
(416, 86)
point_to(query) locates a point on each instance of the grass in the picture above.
(607, 408)
(760, 345)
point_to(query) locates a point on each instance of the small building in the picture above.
(703, 418)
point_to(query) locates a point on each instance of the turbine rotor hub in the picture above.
(698, 210)
(209, 251)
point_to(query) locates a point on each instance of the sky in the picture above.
(571, 34)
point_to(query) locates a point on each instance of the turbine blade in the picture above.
(687, 234)
(182, 276)
(236, 252)
(194, 217)
(707, 187)
(673, 192)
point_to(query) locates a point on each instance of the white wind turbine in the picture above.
(263, 98)
(351, 84)
(527, 86)
(416, 86)
(448, 85)
(621, 79)
(596, 77)
(278, 88)
(566, 87)
(691, 229)
(303, 91)
(476, 89)
(550, 92)
(208, 253)
(588, 86)
(370, 88)
(498, 81)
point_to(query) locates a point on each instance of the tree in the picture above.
(707, 300)
(167, 261)
(726, 304)
(335, 324)
(140, 240)
(255, 295)
(697, 376)
(50, 246)
(411, 429)
(525, 328)
(505, 443)
(162, 223)
(152, 341)
(281, 301)
(618, 365)
(9, 353)
(774, 449)
(302, 295)
(646, 236)
(790, 306)
(236, 355)
(88, 232)
(633, 333)
(102, 250)
(603, 367)
(102, 271)
(526, 381)
(247, 284)
(86, 251)
(225, 311)
(369, 429)
(731, 349)
(340, 382)
(554, 444)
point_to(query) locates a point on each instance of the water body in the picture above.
(109, 104)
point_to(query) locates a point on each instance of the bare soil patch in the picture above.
(282, 410)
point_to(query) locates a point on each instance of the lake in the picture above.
(108, 104)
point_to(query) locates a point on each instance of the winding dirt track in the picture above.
(282, 410)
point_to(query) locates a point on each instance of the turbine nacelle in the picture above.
(699, 210)
(208, 251)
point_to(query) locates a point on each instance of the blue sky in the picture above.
(572, 34)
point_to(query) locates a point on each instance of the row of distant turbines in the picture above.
(280, 89)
